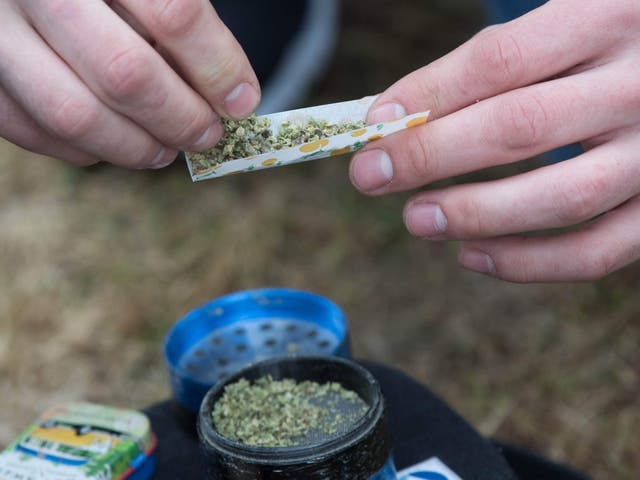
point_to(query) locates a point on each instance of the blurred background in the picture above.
(97, 263)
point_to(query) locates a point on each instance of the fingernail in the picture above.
(242, 101)
(208, 138)
(477, 261)
(165, 157)
(425, 220)
(371, 170)
(386, 112)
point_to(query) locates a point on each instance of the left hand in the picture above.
(128, 82)
(566, 72)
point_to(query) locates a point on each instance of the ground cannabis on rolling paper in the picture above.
(277, 413)
(253, 136)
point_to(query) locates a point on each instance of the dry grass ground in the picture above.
(96, 264)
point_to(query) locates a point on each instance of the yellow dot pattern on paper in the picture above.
(269, 161)
(313, 146)
(378, 136)
(358, 133)
(341, 151)
(416, 121)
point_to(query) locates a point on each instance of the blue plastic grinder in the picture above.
(219, 338)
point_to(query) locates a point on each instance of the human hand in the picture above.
(125, 81)
(566, 72)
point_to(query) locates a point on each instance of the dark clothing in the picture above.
(422, 427)
(504, 10)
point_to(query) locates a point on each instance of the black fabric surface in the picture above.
(422, 426)
(530, 466)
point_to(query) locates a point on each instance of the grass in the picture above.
(96, 264)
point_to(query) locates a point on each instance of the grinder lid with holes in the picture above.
(219, 338)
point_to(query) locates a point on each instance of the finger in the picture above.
(125, 72)
(65, 108)
(133, 22)
(555, 196)
(509, 127)
(603, 246)
(204, 48)
(497, 60)
(17, 127)
(142, 32)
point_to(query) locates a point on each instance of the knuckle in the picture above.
(633, 15)
(580, 201)
(72, 117)
(421, 161)
(175, 18)
(429, 94)
(520, 122)
(191, 131)
(128, 74)
(516, 264)
(519, 271)
(467, 218)
(142, 156)
(498, 59)
(224, 71)
(600, 261)
(627, 15)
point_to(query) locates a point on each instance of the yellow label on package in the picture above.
(336, 113)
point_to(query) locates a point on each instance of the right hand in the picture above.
(547, 79)
(129, 82)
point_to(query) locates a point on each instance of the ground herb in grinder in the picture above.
(254, 136)
(359, 450)
(285, 413)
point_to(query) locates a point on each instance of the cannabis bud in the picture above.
(254, 136)
(285, 413)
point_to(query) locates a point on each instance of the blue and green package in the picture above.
(83, 441)
(219, 338)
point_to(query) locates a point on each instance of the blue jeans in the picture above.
(505, 10)
(501, 11)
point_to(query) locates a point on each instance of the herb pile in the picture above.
(253, 136)
(281, 413)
